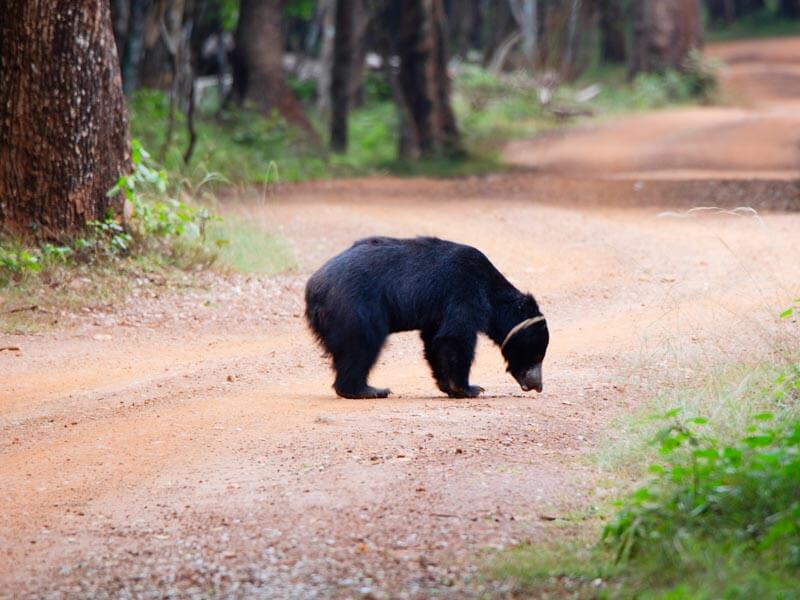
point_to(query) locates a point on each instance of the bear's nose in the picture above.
(532, 380)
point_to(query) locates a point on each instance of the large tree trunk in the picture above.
(424, 80)
(612, 31)
(63, 124)
(258, 62)
(664, 32)
(340, 79)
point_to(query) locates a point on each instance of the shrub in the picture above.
(745, 494)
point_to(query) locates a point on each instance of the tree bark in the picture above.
(664, 32)
(612, 31)
(63, 123)
(258, 62)
(424, 80)
(362, 20)
(328, 36)
(789, 8)
(340, 79)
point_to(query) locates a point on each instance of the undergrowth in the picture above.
(171, 230)
(716, 516)
(246, 147)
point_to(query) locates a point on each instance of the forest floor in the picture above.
(189, 442)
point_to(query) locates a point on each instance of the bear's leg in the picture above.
(433, 361)
(453, 357)
(353, 361)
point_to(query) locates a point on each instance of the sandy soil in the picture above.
(190, 444)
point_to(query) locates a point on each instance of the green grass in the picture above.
(248, 248)
(718, 516)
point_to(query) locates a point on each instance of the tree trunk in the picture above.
(154, 61)
(131, 58)
(612, 30)
(424, 80)
(362, 20)
(258, 62)
(328, 36)
(789, 8)
(664, 32)
(340, 77)
(63, 123)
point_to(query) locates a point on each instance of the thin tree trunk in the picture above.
(258, 62)
(171, 38)
(664, 33)
(408, 145)
(567, 61)
(131, 59)
(525, 14)
(327, 7)
(63, 123)
(340, 79)
(361, 25)
(424, 79)
(612, 30)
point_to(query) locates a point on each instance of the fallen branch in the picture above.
(32, 307)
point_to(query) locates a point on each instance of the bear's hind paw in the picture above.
(472, 391)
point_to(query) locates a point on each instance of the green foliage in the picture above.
(229, 13)
(701, 76)
(301, 9)
(16, 262)
(792, 310)
(157, 218)
(242, 146)
(743, 494)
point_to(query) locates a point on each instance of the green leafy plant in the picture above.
(791, 310)
(745, 493)
(157, 218)
(18, 260)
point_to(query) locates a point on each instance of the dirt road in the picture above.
(190, 444)
(753, 137)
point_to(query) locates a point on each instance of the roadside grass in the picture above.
(172, 233)
(246, 247)
(715, 512)
(32, 301)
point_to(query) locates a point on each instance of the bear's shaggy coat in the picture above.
(447, 291)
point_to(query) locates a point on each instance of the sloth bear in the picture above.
(447, 291)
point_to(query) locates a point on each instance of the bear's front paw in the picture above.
(367, 392)
(472, 391)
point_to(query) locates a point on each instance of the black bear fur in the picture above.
(447, 291)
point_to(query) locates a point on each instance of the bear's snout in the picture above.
(532, 379)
